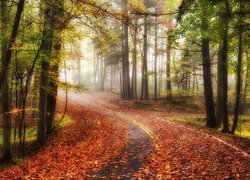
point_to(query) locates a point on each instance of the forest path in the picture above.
(139, 139)
(111, 139)
(177, 150)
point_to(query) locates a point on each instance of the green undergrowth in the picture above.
(243, 129)
(65, 122)
(192, 120)
(31, 132)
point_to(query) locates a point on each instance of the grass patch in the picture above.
(189, 120)
(243, 129)
(30, 136)
(65, 122)
(31, 132)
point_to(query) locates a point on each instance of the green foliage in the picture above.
(67, 120)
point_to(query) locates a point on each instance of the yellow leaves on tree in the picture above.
(136, 6)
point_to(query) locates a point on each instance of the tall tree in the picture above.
(144, 89)
(206, 59)
(125, 59)
(168, 67)
(54, 66)
(5, 87)
(134, 69)
(46, 55)
(239, 71)
(222, 83)
(156, 56)
(7, 50)
(207, 75)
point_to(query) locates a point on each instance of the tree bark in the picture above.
(156, 56)
(5, 88)
(207, 76)
(208, 89)
(54, 70)
(43, 92)
(168, 70)
(12, 40)
(7, 51)
(134, 70)
(222, 112)
(144, 93)
(247, 82)
(126, 74)
(239, 76)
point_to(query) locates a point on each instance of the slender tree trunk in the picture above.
(160, 76)
(145, 60)
(54, 71)
(123, 64)
(126, 78)
(95, 66)
(6, 121)
(5, 88)
(43, 92)
(239, 76)
(12, 40)
(7, 51)
(53, 87)
(103, 79)
(247, 82)
(223, 71)
(111, 78)
(208, 89)
(219, 90)
(134, 70)
(168, 71)
(156, 55)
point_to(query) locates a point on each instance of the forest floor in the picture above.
(112, 138)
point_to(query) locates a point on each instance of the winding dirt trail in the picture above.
(111, 140)
(139, 140)
(179, 151)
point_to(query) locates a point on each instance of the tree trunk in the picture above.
(7, 51)
(54, 71)
(168, 71)
(222, 86)
(156, 55)
(239, 76)
(144, 92)
(43, 92)
(247, 82)
(126, 75)
(134, 70)
(5, 88)
(208, 89)
(53, 91)
(12, 40)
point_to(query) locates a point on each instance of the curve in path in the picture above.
(140, 142)
(183, 151)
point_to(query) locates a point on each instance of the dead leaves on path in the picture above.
(94, 139)
(79, 149)
(183, 153)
